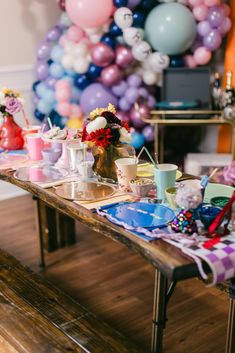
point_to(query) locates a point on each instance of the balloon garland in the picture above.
(92, 58)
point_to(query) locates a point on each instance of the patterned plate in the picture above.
(140, 214)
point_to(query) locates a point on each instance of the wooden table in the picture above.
(169, 263)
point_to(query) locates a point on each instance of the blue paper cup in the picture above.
(164, 177)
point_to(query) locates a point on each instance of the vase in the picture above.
(104, 164)
(10, 134)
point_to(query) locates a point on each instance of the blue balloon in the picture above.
(56, 70)
(44, 107)
(107, 39)
(41, 89)
(176, 61)
(139, 19)
(38, 115)
(57, 53)
(147, 5)
(94, 71)
(35, 84)
(49, 97)
(120, 3)
(75, 94)
(81, 81)
(137, 140)
(114, 30)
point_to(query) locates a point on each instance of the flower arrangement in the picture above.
(11, 102)
(104, 128)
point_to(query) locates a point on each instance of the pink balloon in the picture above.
(62, 84)
(76, 110)
(124, 116)
(102, 54)
(226, 9)
(200, 12)
(194, 3)
(75, 34)
(225, 26)
(202, 56)
(63, 40)
(111, 75)
(62, 94)
(64, 108)
(124, 57)
(190, 61)
(136, 115)
(210, 3)
(89, 13)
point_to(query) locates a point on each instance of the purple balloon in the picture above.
(225, 26)
(213, 40)
(143, 92)
(133, 3)
(148, 132)
(124, 104)
(50, 82)
(123, 116)
(124, 57)
(111, 75)
(196, 44)
(42, 71)
(136, 115)
(151, 102)
(120, 89)
(102, 54)
(54, 33)
(134, 80)
(203, 28)
(132, 95)
(96, 95)
(44, 51)
(215, 16)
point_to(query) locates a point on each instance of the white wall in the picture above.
(23, 25)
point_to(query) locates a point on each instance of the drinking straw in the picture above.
(149, 155)
(25, 118)
(49, 122)
(205, 179)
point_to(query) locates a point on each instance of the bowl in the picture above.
(50, 156)
(170, 196)
(207, 213)
(219, 201)
(141, 186)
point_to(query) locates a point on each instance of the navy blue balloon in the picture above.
(94, 71)
(107, 39)
(114, 30)
(50, 61)
(38, 115)
(120, 3)
(81, 81)
(139, 19)
(56, 119)
(35, 85)
(176, 61)
(147, 5)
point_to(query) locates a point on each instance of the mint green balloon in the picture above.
(170, 28)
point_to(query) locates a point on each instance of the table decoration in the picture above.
(141, 186)
(109, 138)
(40, 174)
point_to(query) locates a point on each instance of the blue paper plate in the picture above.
(140, 214)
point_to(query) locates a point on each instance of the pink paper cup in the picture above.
(35, 146)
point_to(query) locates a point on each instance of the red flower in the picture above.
(125, 125)
(84, 134)
(101, 137)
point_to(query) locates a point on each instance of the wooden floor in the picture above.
(118, 285)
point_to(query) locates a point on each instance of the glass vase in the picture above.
(104, 164)
(10, 134)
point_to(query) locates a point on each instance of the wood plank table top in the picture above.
(163, 256)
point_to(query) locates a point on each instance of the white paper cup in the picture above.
(126, 171)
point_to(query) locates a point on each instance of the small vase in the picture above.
(104, 164)
(10, 134)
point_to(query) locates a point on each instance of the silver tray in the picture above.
(40, 174)
(85, 191)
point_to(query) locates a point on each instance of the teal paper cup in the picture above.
(164, 177)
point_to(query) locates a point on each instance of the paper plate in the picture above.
(145, 170)
(140, 214)
(213, 190)
(6, 158)
(85, 191)
(40, 174)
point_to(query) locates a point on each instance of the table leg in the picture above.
(159, 312)
(39, 232)
(230, 340)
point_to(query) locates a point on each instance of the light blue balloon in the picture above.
(41, 89)
(64, 20)
(137, 140)
(57, 53)
(170, 28)
(56, 70)
(49, 97)
(44, 107)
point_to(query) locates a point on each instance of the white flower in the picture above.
(99, 123)
(21, 100)
(2, 98)
(125, 136)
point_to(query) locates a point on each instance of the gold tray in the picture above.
(85, 191)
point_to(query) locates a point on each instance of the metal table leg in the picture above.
(230, 340)
(159, 312)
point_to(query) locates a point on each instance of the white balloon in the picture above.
(99, 123)
(81, 66)
(158, 61)
(67, 62)
(141, 51)
(133, 35)
(149, 77)
(80, 50)
(68, 47)
(123, 17)
(159, 79)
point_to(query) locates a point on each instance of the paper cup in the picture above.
(126, 171)
(164, 177)
(35, 146)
